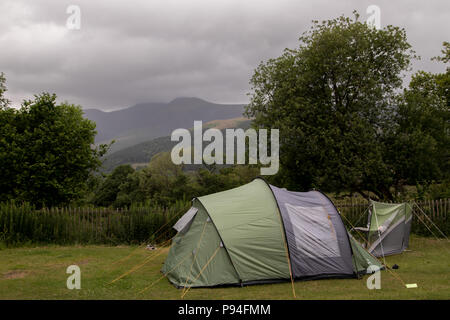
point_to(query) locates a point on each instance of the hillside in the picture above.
(147, 121)
(140, 154)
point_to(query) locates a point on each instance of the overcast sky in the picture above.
(127, 52)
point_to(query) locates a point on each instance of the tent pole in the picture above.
(290, 272)
(287, 252)
(357, 231)
(379, 236)
(387, 268)
(429, 229)
(283, 232)
(429, 219)
(361, 235)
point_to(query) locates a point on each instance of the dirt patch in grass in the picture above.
(82, 262)
(14, 274)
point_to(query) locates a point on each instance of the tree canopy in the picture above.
(335, 100)
(346, 124)
(46, 151)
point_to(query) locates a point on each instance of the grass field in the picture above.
(40, 273)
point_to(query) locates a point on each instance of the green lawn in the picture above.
(40, 273)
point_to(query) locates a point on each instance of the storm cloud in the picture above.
(153, 51)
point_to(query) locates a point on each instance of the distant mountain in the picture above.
(147, 121)
(141, 153)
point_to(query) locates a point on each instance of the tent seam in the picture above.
(281, 219)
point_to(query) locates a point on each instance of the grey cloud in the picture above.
(141, 51)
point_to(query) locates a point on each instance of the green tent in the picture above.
(388, 228)
(258, 233)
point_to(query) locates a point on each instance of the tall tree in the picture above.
(46, 151)
(418, 136)
(4, 102)
(107, 192)
(443, 79)
(330, 98)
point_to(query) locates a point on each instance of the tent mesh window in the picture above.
(314, 232)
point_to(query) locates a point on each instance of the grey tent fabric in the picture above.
(182, 225)
(316, 236)
(407, 231)
(390, 240)
(389, 228)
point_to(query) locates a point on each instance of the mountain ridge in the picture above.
(141, 153)
(145, 121)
